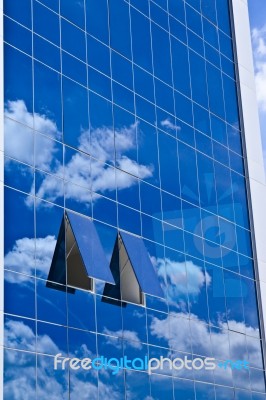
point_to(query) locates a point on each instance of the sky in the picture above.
(257, 12)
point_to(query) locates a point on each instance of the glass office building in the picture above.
(129, 211)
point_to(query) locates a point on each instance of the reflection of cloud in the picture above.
(166, 123)
(20, 371)
(28, 254)
(99, 143)
(181, 278)
(259, 44)
(131, 336)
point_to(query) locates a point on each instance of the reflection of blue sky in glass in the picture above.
(159, 164)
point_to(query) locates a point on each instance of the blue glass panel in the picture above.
(223, 16)
(125, 143)
(99, 83)
(188, 173)
(108, 318)
(19, 10)
(220, 153)
(212, 55)
(137, 385)
(98, 55)
(147, 139)
(81, 343)
(18, 83)
(128, 195)
(104, 210)
(44, 17)
(121, 70)
(123, 97)
(51, 304)
(195, 42)
(134, 319)
(161, 386)
(194, 19)
(234, 303)
(169, 163)
(74, 69)
(230, 99)
(226, 46)
(240, 200)
(180, 67)
(183, 108)
(185, 133)
(141, 40)
(203, 143)
(73, 11)
(70, 36)
(17, 36)
(216, 295)
(210, 33)
(184, 389)
(75, 105)
(53, 4)
(162, 52)
(164, 96)
(90, 247)
(201, 119)
(145, 110)
(152, 228)
(141, 264)
(55, 334)
(97, 27)
(177, 9)
(22, 217)
(18, 175)
(148, 192)
(159, 16)
(198, 79)
(47, 220)
(204, 392)
(215, 90)
(244, 241)
(143, 83)
(49, 107)
(208, 9)
(141, 5)
(224, 191)
(218, 130)
(19, 294)
(177, 29)
(46, 52)
(120, 27)
(223, 393)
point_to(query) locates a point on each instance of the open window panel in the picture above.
(78, 257)
(127, 288)
(76, 274)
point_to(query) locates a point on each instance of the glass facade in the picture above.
(125, 113)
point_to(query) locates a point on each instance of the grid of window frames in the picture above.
(126, 112)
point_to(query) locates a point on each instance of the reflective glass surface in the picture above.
(124, 116)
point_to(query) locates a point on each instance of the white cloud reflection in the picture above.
(84, 171)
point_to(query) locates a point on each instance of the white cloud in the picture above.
(84, 172)
(28, 254)
(131, 336)
(168, 124)
(180, 278)
(259, 47)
